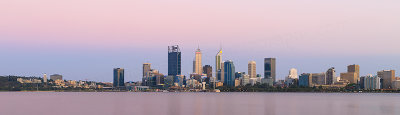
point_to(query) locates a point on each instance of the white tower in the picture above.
(45, 78)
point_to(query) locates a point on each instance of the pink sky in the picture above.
(302, 27)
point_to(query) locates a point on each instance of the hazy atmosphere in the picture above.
(86, 39)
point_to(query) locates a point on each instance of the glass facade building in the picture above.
(118, 77)
(174, 61)
(229, 70)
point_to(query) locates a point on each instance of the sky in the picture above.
(86, 39)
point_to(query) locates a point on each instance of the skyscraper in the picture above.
(330, 75)
(197, 62)
(270, 68)
(354, 68)
(118, 77)
(252, 69)
(352, 75)
(387, 76)
(146, 69)
(174, 60)
(229, 73)
(219, 69)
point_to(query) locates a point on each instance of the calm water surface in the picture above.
(54, 103)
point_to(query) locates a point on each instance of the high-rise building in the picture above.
(229, 73)
(387, 76)
(207, 69)
(352, 75)
(252, 69)
(218, 61)
(45, 78)
(270, 68)
(330, 76)
(118, 77)
(219, 70)
(55, 77)
(146, 69)
(198, 67)
(353, 68)
(174, 60)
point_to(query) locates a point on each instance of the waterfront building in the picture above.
(370, 82)
(396, 84)
(252, 69)
(118, 77)
(268, 81)
(229, 69)
(305, 80)
(245, 80)
(318, 78)
(174, 60)
(197, 66)
(270, 68)
(330, 76)
(55, 77)
(237, 82)
(387, 76)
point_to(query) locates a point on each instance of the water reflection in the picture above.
(12, 103)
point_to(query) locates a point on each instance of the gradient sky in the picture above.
(85, 39)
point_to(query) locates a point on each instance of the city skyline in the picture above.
(85, 42)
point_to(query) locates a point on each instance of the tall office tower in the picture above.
(330, 75)
(45, 78)
(118, 77)
(229, 69)
(146, 69)
(270, 68)
(207, 69)
(354, 68)
(198, 67)
(218, 66)
(388, 76)
(174, 60)
(252, 69)
(293, 74)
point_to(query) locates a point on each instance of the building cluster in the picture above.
(57, 81)
(225, 74)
